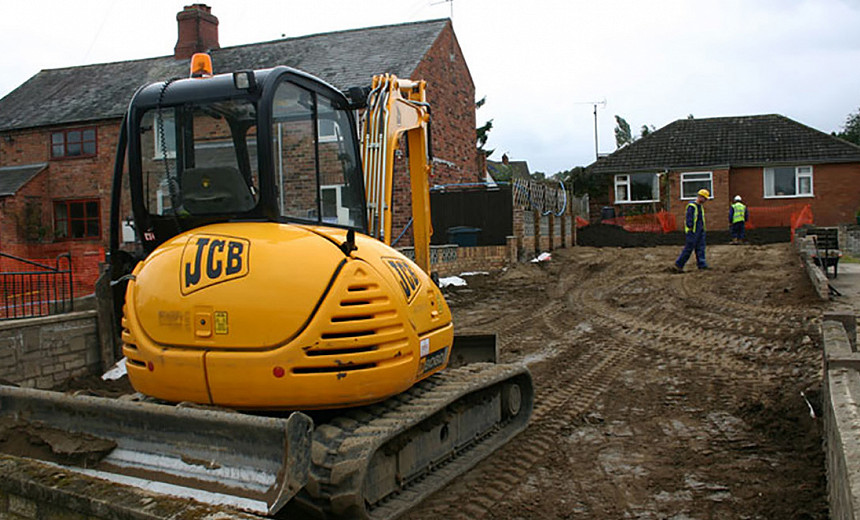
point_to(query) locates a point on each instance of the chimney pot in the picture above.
(198, 31)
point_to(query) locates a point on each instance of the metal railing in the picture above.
(36, 289)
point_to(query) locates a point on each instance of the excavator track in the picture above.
(378, 461)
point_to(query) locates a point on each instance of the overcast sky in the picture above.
(540, 63)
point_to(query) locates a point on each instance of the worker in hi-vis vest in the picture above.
(738, 215)
(694, 231)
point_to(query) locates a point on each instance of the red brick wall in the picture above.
(451, 94)
(450, 90)
(836, 189)
(716, 209)
(64, 179)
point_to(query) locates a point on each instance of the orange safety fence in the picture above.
(85, 268)
(792, 216)
(581, 222)
(800, 218)
(770, 217)
(660, 222)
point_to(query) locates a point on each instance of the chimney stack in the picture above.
(198, 31)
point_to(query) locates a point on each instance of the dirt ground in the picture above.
(658, 395)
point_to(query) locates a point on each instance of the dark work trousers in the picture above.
(738, 230)
(694, 242)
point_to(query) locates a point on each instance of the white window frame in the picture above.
(342, 212)
(324, 135)
(685, 177)
(167, 119)
(623, 180)
(800, 172)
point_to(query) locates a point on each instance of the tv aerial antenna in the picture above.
(602, 103)
(450, 2)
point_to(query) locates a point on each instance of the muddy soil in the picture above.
(659, 395)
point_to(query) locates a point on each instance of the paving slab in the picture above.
(848, 284)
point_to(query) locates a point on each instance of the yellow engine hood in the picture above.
(235, 285)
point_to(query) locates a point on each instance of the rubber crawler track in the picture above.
(343, 447)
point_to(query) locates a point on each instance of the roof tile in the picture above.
(94, 92)
(728, 141)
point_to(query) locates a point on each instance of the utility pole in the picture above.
(594, 103)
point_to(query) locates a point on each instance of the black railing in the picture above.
(39, 291)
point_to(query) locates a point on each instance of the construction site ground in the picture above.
(658, 395)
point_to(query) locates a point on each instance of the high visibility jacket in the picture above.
(739, 213)
(695, 214)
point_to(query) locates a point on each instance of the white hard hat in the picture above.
(737, 198)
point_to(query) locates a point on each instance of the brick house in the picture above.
(58, 131)
(771, 161)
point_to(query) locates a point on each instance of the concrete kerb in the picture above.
(805, 247)
(841, 410)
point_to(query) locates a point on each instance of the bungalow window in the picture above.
(788, 181)
(80, 142)
(77, 219)
(637, 187)
(692, 182)
(165, 138)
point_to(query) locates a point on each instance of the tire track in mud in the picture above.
(605, 330)
(568, 394)
(727, 353)
(735, 346)
(557, 402)
(751, 332)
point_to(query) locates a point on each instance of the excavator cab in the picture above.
(273, 145)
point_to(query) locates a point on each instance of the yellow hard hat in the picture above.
(705, 193)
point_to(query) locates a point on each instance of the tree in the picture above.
(581, 182)
(482, 132)
(623, 137)
(851, 129)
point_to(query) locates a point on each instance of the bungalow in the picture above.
(771, 161)
(59, 130)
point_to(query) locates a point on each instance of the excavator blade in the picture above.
(251, 462)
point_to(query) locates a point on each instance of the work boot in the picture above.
(675, 269)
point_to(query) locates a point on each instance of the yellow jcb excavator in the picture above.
(262, 280)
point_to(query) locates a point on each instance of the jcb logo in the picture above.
(409, 281)
(211, 259)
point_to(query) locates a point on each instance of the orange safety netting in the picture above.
(801, 218)
(769, 217)
(581, 222)
(84, 267)
(660, 222)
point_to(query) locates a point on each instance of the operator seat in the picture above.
(217, 189)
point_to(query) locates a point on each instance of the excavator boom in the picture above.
(397, 108)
